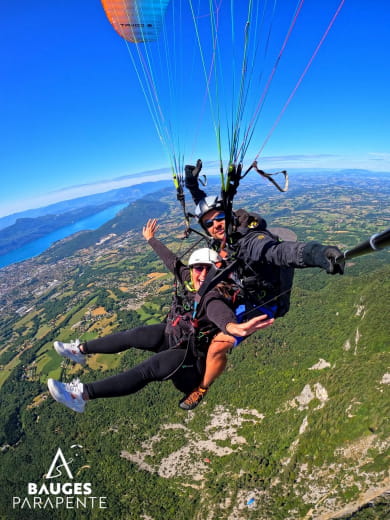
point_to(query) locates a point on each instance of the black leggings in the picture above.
(166, 363)
(150, 337)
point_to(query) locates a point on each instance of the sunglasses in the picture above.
(201, 267)
(218, 218)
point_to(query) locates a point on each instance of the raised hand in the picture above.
(150, 228)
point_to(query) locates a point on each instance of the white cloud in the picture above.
(380, 156)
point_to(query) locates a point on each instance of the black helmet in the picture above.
(206, 205)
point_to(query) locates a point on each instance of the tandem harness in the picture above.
(183, 327)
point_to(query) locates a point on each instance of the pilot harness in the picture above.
(256, 290)
(251, 289)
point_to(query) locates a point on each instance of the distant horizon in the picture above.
(99, 187)
(302, 88)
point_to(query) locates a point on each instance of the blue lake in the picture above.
(38, 246)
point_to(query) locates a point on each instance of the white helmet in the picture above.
(204, 256)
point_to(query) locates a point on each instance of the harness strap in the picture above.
(212, 279)
(233, 181)
(269, 177)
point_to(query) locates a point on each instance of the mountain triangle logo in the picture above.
(59, 462)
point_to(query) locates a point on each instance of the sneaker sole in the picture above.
(58, 397)
(52, 389)
(65, 354)
(189, 407)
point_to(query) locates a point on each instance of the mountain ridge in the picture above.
(114, 196)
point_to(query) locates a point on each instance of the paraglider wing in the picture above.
(136, 20)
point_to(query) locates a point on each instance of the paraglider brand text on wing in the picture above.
(136, 25)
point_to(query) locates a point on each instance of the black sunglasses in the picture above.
(200, 267)
(218, 218)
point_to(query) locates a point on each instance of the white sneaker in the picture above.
(71, 351)
(69, 394)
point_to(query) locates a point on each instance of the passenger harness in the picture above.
(182, 321)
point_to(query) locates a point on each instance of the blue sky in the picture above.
(73, 119)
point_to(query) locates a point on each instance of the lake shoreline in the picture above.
(36, 247)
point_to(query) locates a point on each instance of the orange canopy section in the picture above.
(136, 20)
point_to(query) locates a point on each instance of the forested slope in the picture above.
(278, 426)
(296, 428)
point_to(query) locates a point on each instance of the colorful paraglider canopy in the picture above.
(136, 20)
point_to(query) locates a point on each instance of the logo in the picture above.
(55, 466)
(59, 489)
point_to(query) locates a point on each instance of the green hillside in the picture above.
(296, 428)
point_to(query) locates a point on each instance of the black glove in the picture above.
(192, 172)
(191, 181)
(317, 255)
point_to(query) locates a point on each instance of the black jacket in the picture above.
(258, 249)
(265, 267)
